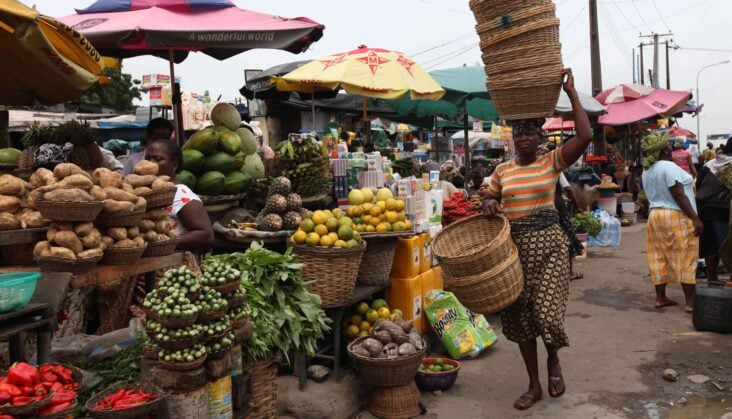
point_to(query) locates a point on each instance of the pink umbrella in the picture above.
(558, 124)
(623, 93)
(629, 109)
(677, 131)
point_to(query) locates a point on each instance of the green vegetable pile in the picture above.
(222, 344)
(158, 332)
(241, 312)
(191, 354)
(437, 366)
(180, 279)
(585, 222)
(211, 301)
(215, 327)
(215, 274)
(284, 314)
(172, 306)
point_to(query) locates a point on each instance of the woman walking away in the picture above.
(682, 157)
(673, 224)
(523, 189)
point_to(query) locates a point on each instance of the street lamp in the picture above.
(698, 100)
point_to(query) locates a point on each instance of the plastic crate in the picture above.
(16, 289)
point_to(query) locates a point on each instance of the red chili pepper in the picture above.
(57, 386)
(5, 397)
(14, 391)
(48, 377)
(63, 397)
(54, 408)
(64, 374)
(45, 368)
(23, 400)
(23, 374)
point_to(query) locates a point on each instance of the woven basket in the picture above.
(376, 263)
(150, 351)
(217, 337)
(263, 383)
(119, 219)
(485, 10)
(235, 302)
(334, 270)
(380, 372)
(228, 287)
(69, 210)
(521, 17)
(177, 323)
(524, 58)
(239, 323)
(472, 245)
(526, 102)
(25, 409)
(62, 414)
(183, 366)
(210, 316)
(174, 345)
(161, 248)
(159, 198)
(220, 354)
(490, 291)
(396, 402)
(122, 256)
(74, 266)
(141, 410)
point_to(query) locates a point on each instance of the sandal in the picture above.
(576, 275)
(526, 401)
(556, 383)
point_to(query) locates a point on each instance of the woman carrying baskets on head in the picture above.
(523, 190)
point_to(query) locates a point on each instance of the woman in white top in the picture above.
(190, 219)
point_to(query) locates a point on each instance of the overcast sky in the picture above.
(440, 34)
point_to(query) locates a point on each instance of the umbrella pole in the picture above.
(365, 121)
(312, 106)
(466, 142)
(177, 111)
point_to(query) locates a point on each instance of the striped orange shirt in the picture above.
(526, 190)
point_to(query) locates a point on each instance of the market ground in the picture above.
(619, 346)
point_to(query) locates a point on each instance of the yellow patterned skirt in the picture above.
(673, 249)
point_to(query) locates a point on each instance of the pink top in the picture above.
(681, 158)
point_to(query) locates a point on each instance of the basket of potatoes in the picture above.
(157, 229)
(122, 207)
(158, 191)
(64, 194)
(122, 245)
(69, 247)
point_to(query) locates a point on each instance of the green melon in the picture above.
(229, 141)
(248, 141)
(253, 166)
(220, 161)
(211, 183)
(240, 156)
(193, 160)
(187, 178)
(235, 183)
(12, 156)
(206, 141)
(226, 115)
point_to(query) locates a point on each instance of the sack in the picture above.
(610, 234)
(97, 348)
(464, 334)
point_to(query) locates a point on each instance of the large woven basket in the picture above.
(28, 409)
(161, 248)
(376, 263)
(159, 198)
(472, 245)
(142, 410)
(122, 255)
(74, 266)
(69, 210)
(490, 291)
(335, 271)
(384, 372)
(263, 383)
(119, 219)
(396, 402)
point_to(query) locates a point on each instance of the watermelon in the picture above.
(248, 141)
(187, 178)
(12, 156)
(229, 141)
(253, 166)
(193, 160)
(211, 183)
(240, 156)
(220, 161)
(235, 183)
(206, 141)
(226, 115)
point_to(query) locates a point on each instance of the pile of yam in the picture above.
(390, 340)
(71, 241)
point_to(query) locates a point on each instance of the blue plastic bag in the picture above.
(610, 234)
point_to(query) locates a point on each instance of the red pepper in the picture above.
(38, 390)
(48, 377)
(26, 391)
(23, 374)
(5, 397)
(55, 408)
(23, 400)
(64, 374)
(14, 391)
(6, 417)
(63, 397)
(57, 386)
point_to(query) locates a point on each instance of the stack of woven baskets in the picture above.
(480, 263)
(522, 55)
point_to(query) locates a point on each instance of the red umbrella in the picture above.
(626, 104)
(623, 93)
(558, 124)
(677, 131)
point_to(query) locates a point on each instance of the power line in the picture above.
(443, 44)
(449, 53)
(641, 16)
(626, 18)
(678, 12)
(453, 56)
(659, 14)
(574, 19)
(704, 49)
(617, 40)
(443, 7)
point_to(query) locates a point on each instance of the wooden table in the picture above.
(28, 235)
(108, 273)
(33, 318)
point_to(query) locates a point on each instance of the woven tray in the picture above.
(375, 268)
(25, 409)
(159, 198)
(333, 270)
(70, 210)
(122, 256)
(161, 248)
(141, 410)
(76, 266)
(174, 345)
(228, 287)
(244, 236)
(378, 372)
(183, 366)
(210, 316)
(120, 219)
(177, 323)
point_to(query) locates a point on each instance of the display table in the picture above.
(108, 273)
(362, 292)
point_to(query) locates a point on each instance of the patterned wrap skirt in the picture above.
(543, 249)
(672, 247)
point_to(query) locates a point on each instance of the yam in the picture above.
(74, 195)
(107, 241)
(32, 219)
(117, 233)
(172, 235)
(11, 185)
(146, 225)
(76, 181)
(383, 336)
(162, 184)
(407, 349)
(107, 178)
(416, 339)
(62, 252)
(407, 325)
(41, 177)
(41, 247)
(163, 237)
(124, 244)
(137, 181)
(146, 168)
(140, 203)
(62, 226)
(373, 346)
(112, 206)
(8, 222)
(141, 190)
(361, 351)
(82, 229)
(119, 195)
(133, 232)
(128, 188)
(164, 226)
(63, 170)
(51, 233)
(391, 350)
(139, 241)
(157, 214)
(97, 193)
(90, 253)
(68, 240)
(92, 240)
(151, 236)
(9, 203)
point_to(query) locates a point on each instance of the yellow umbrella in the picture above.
(43, 59)
(367, 72)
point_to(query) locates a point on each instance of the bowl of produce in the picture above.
(16, 289)
(124, 401)
(437, 374)
(183, 359)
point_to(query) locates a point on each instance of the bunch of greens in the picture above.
(284, 314)
(585, 222)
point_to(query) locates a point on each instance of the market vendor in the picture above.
(523, 190)
(157, 129)
(190, 219)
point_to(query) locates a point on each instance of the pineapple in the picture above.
(280, 186)
(276, 204)
(294, 202)
(270, 222)
(291, 220)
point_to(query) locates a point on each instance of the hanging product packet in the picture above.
(464, 334)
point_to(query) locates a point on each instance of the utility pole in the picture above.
(633, 54)
(642, 69)
(595, 50)
(654, 79)
(668, 70)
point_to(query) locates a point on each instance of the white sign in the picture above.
(477, 125)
